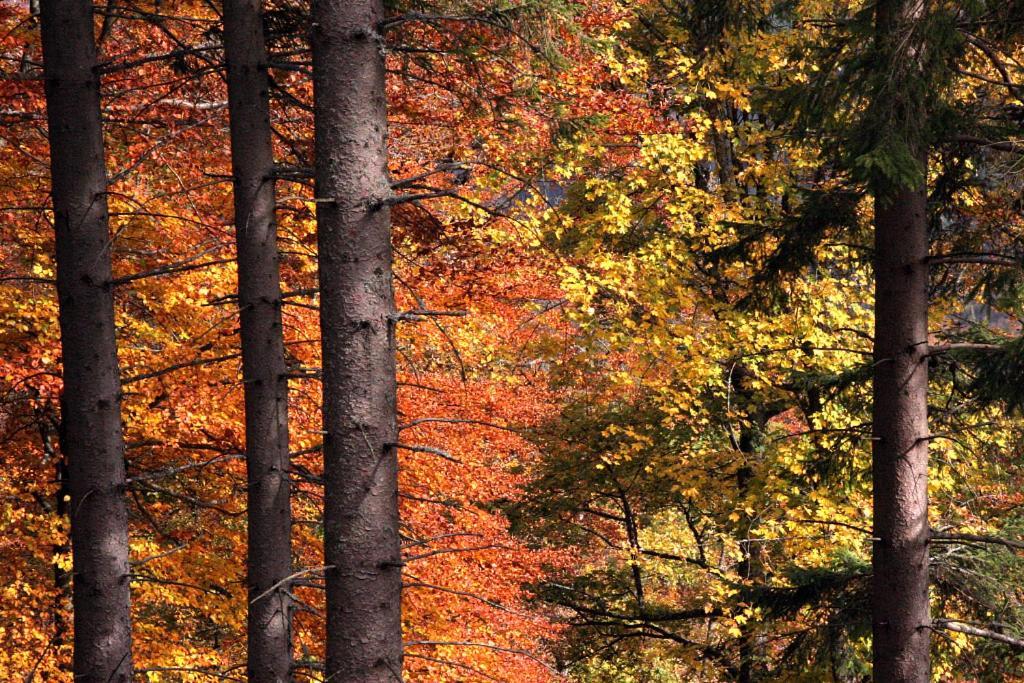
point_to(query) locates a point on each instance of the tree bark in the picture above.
(361, 542)
(900, 608)
(91, 401)
(263, 360)
(900, 454)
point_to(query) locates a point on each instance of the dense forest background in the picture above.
(605, 341)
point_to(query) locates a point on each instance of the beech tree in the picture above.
(888, 93)
(91, 435)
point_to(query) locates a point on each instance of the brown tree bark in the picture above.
(361, 542)
(263, 360)
(900, 608)
(900, 454)
(91, 401)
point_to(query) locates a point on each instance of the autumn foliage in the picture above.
(633, 266)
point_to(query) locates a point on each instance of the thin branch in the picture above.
(170, 472)
(978, 538)
(467, 594)
(112, 67)
(213, 590)
(854, 527)
(984, 259)
(961, 627)
(489, 646)
(448, 551)
(426, 449)
(447, 662)
(418, 315)
(962, 346)
(195, 670)
(179, 366)
(176, 267)
(1011, 146)
(452, 420)
(288, 578)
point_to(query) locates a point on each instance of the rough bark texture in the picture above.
(263, 360)
(900, 610)
(900, 455)
(361, 543)
(91, 412)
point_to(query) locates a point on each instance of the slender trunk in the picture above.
(91, 414)
(900, 608)
(900, 454)
(263, 359)
(361, 543)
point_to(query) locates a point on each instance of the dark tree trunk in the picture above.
(900, 609)
(900, 453)
(361, 543)
(91, 412)
(263, 359)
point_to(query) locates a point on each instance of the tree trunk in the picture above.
(263, 360)
(900, 609)
(91, 401)
(900, 453)
(361, 543)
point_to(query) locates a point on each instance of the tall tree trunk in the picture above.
(900, 454)
(361, 543)
(263, 360)
(900, 609)
(91, 413)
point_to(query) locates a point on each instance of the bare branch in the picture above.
(489, 646)
(452, 420)
(984, 259)
(426, 449)
(288, 578)
(179, 366)
(182, 266)
(419, 315)
(977, 538)
(962, 346)
(962, 627)
(1011, 146)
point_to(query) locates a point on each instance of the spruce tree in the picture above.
(263, 361)
(91, 432)
(357, 314)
